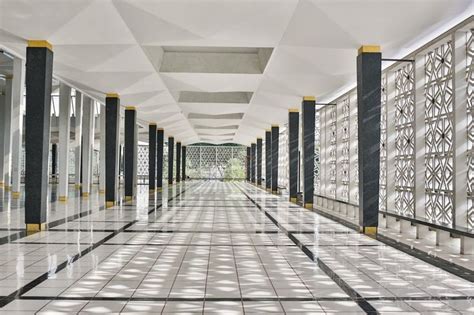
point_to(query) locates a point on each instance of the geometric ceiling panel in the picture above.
(218, 71)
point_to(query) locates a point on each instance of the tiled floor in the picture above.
(213, 247)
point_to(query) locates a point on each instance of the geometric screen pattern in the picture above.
(405, 141)
(216, 162)
(383, 146)
(470, 133)
(317, 147)
(343, 167)
(332, 150)
(283, 165)
(439, 149)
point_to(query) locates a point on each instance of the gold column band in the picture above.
(308, 205)
(109, 204)
(62, 198)
(40, 44)
(112, 95)
(35, 227)
(130, 108)
(369, 49)
(309, 98)
(369, 230)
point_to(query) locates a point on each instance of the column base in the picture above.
(109, 204)
(308, 206)
(77, 186)
(159, 189)
(7, 188)
(62, 198)
(101, 191)
(128, 198)
(368, 230)
(35, 228)
(2, 184)
(85, 194)
(293, 199)
(16, 194)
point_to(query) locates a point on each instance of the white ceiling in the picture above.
(120, 46)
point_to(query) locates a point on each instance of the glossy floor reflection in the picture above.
(213, 247)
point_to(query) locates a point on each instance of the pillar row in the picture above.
(268, 160)
(170, 159)
(78, 139)
(369, 77)
(178, 162)
(308, 116)
(293, 147)
(38, 80)
(253, 162)
(130, 152)
(152, 158)
(183, 155)
(160, 139)
(259, 161)
(112, 138)
(275, 144)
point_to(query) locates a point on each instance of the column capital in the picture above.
(309, 98)
(293, 110)
(369, 49)
(112, 95)
(130, 108)
(152, 124)
(36, 43)
(275, 125)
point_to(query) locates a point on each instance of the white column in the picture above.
(2, 139)
(420, 203)
(18, 91)
(391, 141)
(7, 133)
(102, 151)
(88, 129)
(78, 139)
(63, 145)
(460, 132)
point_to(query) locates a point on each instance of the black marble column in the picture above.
(369, 76)
(268, 160)
(247, 164)
(160, 141)
(275, 143)
(170, 159)
(253, 162)
(293, 147)
(259, 161)
(112, 153)
(38, 80)
(178, 162)
(130, 152)
(308, 116)
(54, 161)
(183, 154)
(152, 158)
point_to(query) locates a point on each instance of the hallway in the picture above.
(223, 247)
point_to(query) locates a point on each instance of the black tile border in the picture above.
(45, 276)
(244, 299)
(355, 296)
